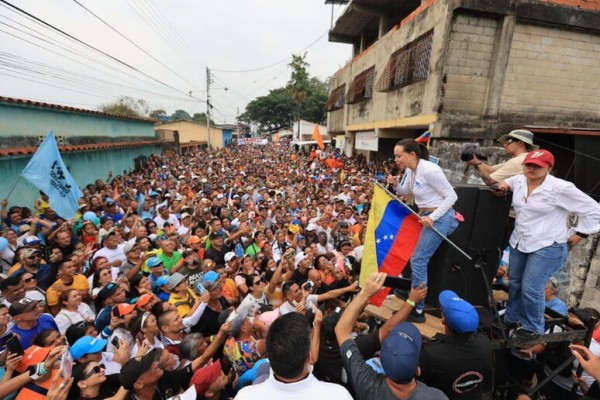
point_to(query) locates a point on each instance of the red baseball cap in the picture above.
(206, 376)
(542, 158)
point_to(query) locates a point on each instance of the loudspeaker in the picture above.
(480, 236)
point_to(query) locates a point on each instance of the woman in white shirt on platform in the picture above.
(435, 197)
(540, 242)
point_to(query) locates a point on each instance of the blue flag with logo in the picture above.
(47, 172)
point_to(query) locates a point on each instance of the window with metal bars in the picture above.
(362, 86)
(337, 98)
(408, 65)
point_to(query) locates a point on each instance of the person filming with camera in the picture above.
(517, 144)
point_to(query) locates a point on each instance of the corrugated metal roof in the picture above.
(39, 104)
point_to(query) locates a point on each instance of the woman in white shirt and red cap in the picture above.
(541, 239)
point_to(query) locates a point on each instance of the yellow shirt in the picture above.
(184, 304)
(80, 282)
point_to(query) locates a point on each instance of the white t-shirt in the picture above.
(308, 388)
(253, 304)
(65, 318)
(430, 187)
(112, 254)
(160, 222)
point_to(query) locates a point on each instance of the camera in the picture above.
(308, 286)
(469, 150)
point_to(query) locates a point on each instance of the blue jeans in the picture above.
(528, 274)
(428, 243)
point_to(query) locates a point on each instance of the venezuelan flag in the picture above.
(392, 235)
(424, 138)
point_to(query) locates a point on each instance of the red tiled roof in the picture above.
(23, 151)
(39, 104)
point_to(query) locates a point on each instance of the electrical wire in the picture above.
(133, 43)
(93, 48)
(163, 34)
(66, 48)
(273, 64)
(69, 73)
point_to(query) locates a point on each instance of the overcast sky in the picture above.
(185, 36)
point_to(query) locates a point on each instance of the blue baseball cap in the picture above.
(162, 281)
(459, 314)
(211, 276)
(87, 345)
(153, 262)
(400, 352)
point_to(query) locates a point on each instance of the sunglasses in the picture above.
(96, 369)
(509, 141)
(30, 279)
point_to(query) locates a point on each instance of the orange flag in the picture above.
(317, 137)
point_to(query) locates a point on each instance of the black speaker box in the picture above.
(480, 236)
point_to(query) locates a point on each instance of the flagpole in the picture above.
(420, 219)
(13, 187)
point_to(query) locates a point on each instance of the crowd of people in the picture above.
(235, 273)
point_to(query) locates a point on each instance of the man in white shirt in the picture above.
(164, 216)
(113, 252)
(289, 350)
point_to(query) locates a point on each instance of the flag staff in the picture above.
(419, 217)
(13, 187)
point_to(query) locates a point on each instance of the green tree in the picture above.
(127, 106)
(271, 112)
(201, 118)
(298, 83)
(314, 106)
(181, 115)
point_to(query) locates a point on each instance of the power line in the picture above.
(69, 73)
(275, 63)
(92, 47)
(133, 43)
(62, 46)
(164, 34)
(73, 77)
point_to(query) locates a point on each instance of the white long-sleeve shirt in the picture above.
(430, 188)
(542, 217)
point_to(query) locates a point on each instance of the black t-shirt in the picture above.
(299, 277)
(459, 365)
(208, 324)
(340, 285)
(218, 256)
(330, 366)
(171, 384)
(324, 288)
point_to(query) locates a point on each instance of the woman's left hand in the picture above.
(426, 222)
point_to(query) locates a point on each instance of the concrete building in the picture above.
(192, 135)
(470, 68)
(91, 143)
(476, 69)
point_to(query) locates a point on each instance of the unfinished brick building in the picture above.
(473, 68)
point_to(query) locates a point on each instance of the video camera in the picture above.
(469, 150)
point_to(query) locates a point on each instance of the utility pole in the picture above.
(208, 108)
